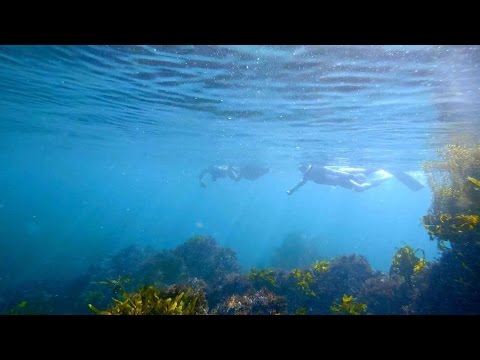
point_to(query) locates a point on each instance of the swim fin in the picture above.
(407, 180)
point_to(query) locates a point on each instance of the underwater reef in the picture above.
(161, 283)
(175, 282)
(296, 250)
(201, 277)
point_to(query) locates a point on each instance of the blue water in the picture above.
(101, 147)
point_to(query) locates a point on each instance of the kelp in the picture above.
(348, 306)
(304, 280)
(260, 278)
(150, 300)
(454, 215)
(406, 263)
(321, 266)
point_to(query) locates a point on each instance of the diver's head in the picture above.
(303, 168)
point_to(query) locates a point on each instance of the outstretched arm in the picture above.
(296, 187)
(360, 187)
(234, 173)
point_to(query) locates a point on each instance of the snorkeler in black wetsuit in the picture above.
(236, 173)
(357, 179)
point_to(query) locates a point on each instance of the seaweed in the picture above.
(304, 280)
(406, 263)
(454, 214)
(163, 267)
(262, 278)
(301, 311)
(320, 266)
(150, 300)
(205, 259)
(262, 302)
(474, 181)
(116, 285)
(348, 307)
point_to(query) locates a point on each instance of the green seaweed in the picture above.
(473, 181)
(321, 266)
(117, 285)
(304, 279)
(348, 307)
(406, 264)
(152, 301)
(37, 305)
(20, 309)
(262, 277)
(454, 215)
(301, 311)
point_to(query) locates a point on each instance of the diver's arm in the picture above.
(360, 187)
(234, 173)
(309, 168)
(296, 187)
(338, 172)
(200, 177)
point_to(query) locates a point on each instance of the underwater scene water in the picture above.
(168, 179)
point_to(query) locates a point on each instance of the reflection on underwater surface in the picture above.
(102, 148)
